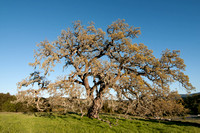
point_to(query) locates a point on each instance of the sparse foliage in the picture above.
(104, 61)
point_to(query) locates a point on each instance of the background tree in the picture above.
(7, 104)
(192, 102)
(108, 59)
(5, 100)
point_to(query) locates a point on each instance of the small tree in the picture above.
(108, 59)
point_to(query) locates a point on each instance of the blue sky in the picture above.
(172, 24)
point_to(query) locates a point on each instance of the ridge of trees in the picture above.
(7, 104)
(192, 102)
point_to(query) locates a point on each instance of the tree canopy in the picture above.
(110, 60)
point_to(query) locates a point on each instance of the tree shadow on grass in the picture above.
(45, 115)
(178, 123)
(56, 115)
(77, 116)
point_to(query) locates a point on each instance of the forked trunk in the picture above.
(93, 111)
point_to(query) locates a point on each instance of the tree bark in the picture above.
(93, 111)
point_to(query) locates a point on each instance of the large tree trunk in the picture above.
(93, 111)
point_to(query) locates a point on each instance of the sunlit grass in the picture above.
(72, 123)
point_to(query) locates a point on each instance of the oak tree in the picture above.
(103, 61)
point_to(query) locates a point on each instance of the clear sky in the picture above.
(172, 24)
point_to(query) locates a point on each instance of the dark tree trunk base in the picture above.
(93, 111)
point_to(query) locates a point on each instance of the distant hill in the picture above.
(185, 95)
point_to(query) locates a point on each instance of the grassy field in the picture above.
(72, 123)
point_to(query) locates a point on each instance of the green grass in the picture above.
(72, 123)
